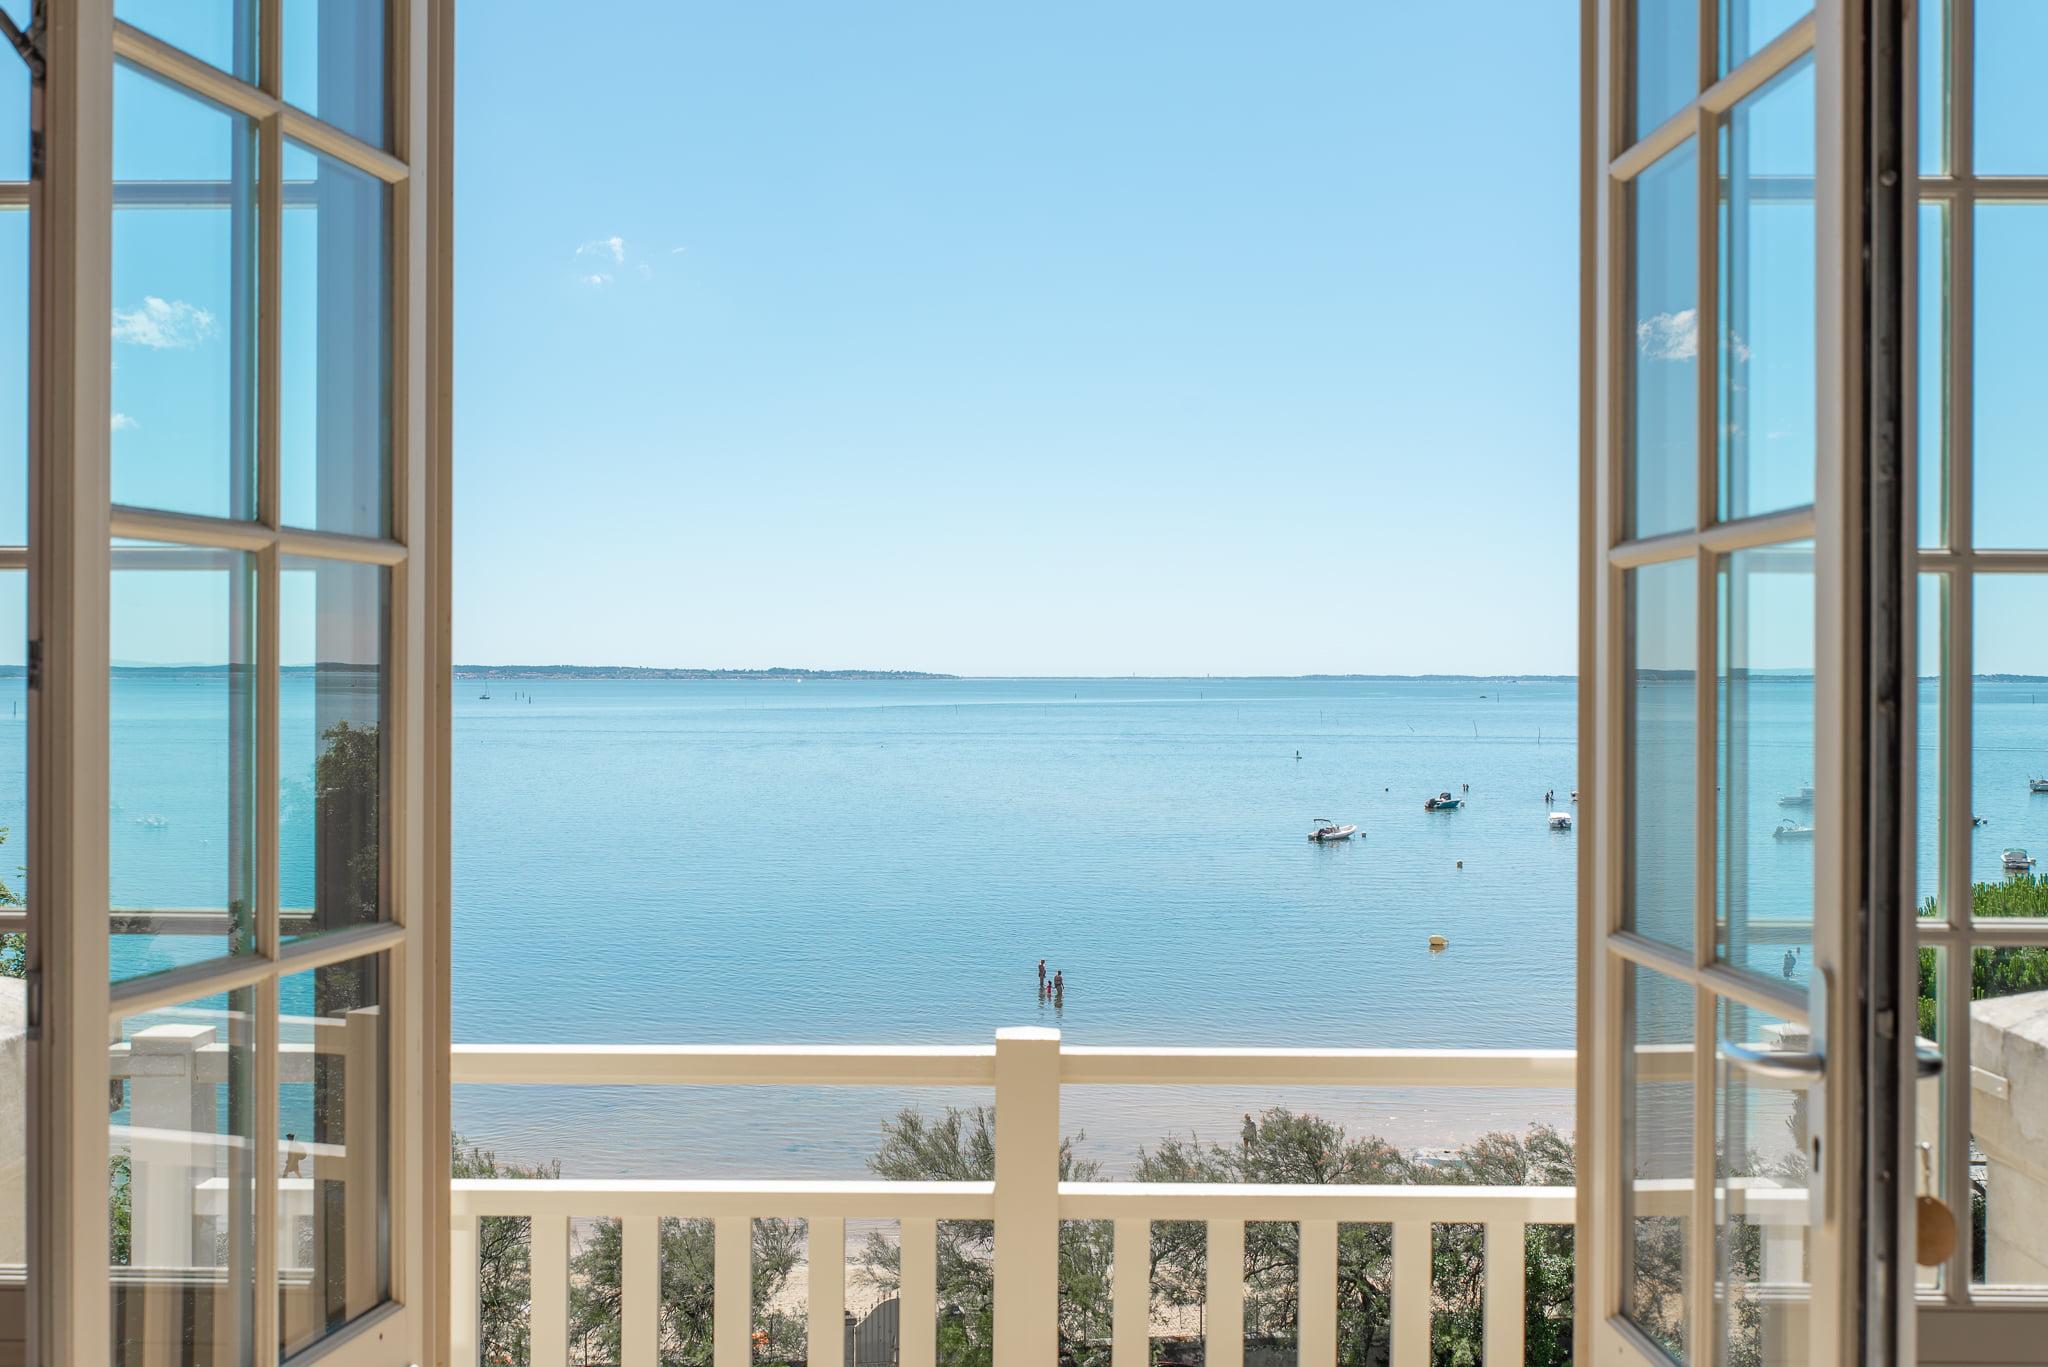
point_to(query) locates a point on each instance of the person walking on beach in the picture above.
(1251, 1130)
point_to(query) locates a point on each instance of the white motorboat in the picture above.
(1802, 798)
(1443, 802)
(1792, 830)
(1328, 830)
(2037, 785)
(2016, 861)
(1560, 821)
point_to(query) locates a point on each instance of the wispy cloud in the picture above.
(121, 422)
(163, 324)
(1670, 336)
(613, 246)
(598, 279)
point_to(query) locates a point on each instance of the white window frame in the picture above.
(73, 1005)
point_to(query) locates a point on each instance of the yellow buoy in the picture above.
(1437, 942)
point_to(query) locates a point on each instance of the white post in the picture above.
(917, 1320)
(825, 1258)
(1131, 1289)
(732, 1291)
(639, 1289)
(1027, 1195)
(1413, 1292)
(1223, 1341)
(548, 1265)
(1507, 1285)
(1318, 1273)
(462, 1307)
(164, 1153)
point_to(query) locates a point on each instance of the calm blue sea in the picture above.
(875, 861)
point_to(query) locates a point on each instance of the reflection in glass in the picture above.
(1933, 651)
(333, 1253)
(1765, 733)
(2011, 102)
(184, 290)
(13, 936)
(1661, 688)
(1761, 1200)
(335, 403)
(1746, 25)
(334, 62)
(14, 381)
(1767, 298)
(331, 744)
(1931, 388)
(181, 1193)
(1664, 395)
(1658, 1143)
(221, 33)
(1667, 59)
(2008, 1099)
(2009, 477)
(1933, 94)
(181, 864)
(1929, 1177)
(2008, 744)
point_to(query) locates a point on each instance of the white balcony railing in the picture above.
(1026, 1068)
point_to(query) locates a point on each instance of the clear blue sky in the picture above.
(1018, 338)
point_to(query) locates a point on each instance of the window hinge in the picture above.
(35, 1003)
(35, 663)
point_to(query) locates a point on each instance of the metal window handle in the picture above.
(1792, 1067)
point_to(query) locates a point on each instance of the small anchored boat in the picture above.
(2037, 785)
(1443, 802)
(1328, 830)
(2015, 861)
(1560, 821)
(1792, 830)
(1802, 798)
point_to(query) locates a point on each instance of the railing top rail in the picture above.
(859, 1200)
(974, 1066)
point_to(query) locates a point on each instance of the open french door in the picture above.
(1724, 1215)
(237, 683)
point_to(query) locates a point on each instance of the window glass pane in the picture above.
(1931, 390)
(1746, 25)
(1767, 298)
(2011, 404)
(333, 1250)
(1933, 632)
(1667, 59)
(1929, 1176)
(1764, 735)
(330, 756)
(1760, 1197)
(14, 379)
(180, 865)
(2011, 99)
(1658, 1079)
(221, 33)
(1661, 688)
(184, 282)
(335, 404)
(2008, 744)
(1662, 469)
(2008, 1099)
(13, 942)
(181, 1193)
(1934, 122)
(334, 62)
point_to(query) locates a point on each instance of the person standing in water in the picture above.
(1041, 975)
(1791, 961)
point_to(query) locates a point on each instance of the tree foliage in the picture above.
(1993, 972)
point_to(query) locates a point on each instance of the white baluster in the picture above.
(1507, 1280)
(826, 1257)
(1131, 1286)
(732, 1315)
(639, 1290)
(1318, 1273)
(1412, 1293)
(1027, 1199)
(918, 1313)
(1223, 1344)
(549, 1318)
(462, 1300)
